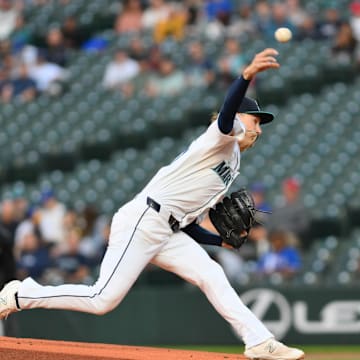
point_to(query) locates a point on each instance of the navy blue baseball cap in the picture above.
(250, 106)
(46, 195)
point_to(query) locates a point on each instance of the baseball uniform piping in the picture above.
(107, 282)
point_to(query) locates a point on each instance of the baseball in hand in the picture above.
(283, 34)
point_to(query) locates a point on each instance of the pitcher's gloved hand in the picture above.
(233, 217)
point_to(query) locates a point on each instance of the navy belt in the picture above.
(173, 223)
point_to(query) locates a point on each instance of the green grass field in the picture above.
(315, 352)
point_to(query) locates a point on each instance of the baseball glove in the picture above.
(234, 216)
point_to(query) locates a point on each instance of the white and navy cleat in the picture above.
(273, 350)
(8, 299)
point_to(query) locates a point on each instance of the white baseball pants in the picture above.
(140, 235)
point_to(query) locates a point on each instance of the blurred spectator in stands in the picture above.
(72, 33)
(173, 26)
(21, 203)
(331, 23)
(200, 71)
(296, 13)
(56, 52)
(262, 16)
(119, 71)
(258, 192)
(309, 29)
(242, 23)
(71, 220)
(30, 225)
(33, 259)
(28, 55)
(9, 62)
(149, 61)
(344, 46)
(218, 14)
(23, 87)
(5, 86)
(258, 236)
(355, 18)
(215, 9)
(291, 215)
(47, 76)
(52, 219)
(282, 258)
(21, 35)
(92, 228)
(259, 240)
(139, 52)
(231, 62)
(155, 58)
(8, 226)
(6, 72)
(71, 265)
(193, 12)
(157, 10)
(169, 81)
(130, 18)
(5, 50)
(8, 15)
(279, 18)
(97, 258)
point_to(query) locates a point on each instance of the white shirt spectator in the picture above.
(44, 74)
(355, 25)
(355, 19)
(119, 71)
(29, 55)
(52, 223)
(157, 11)
(7, 21)
(25, 228)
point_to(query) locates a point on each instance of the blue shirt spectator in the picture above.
(33, 259)
(23, 86)
(283, 258)
(200, 70)
(258, 191)
(214, 8)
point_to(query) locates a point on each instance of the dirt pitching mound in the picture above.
(31, 349)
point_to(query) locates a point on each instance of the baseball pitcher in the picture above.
(160, 224)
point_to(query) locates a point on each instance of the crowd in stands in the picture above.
(54, 243)
(279, 238)
(214, 20)
(32, 64)
(50, 241)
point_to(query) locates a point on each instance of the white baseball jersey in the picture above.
(197, 178)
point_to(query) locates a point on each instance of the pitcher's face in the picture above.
(253, 130)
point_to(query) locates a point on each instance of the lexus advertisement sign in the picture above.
(308, 315)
